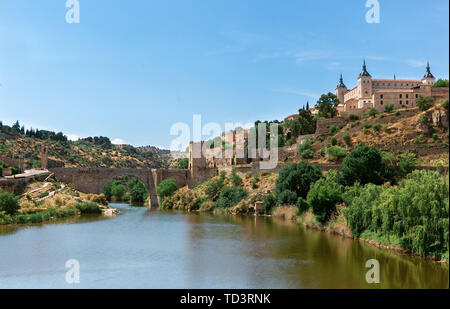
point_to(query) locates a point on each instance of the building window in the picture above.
(381, 96)
(407, 102)
(401, 102)
(381, 102)
(407, 95)
(400, 95)
(417, 95)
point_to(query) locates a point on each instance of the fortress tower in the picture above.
(341, 89)
(364, 86)
(428, 78)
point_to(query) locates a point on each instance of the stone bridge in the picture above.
(93, 180)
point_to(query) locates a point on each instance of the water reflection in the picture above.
(143, 248)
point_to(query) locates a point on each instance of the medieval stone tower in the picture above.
(365, 83)
(428, 78)
(341, 89)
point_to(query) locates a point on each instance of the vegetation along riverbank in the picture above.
(47, 200)
(381, 199)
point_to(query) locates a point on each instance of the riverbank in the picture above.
(357, 212)
(50, 200)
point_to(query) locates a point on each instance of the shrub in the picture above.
(302, 206)
(230, 196)
(333, 129)
(407, 163)
(304, 149)
(235, 179)
(373, 112)
(389, 108)
(424, 103)
(347, 138)
(182, 164)
(287, 197)
(166, 188)
(336, 153)
(269, 202)
(8, 203)
(363, 165)
(297, 178)
(213, 188)
(138, 193)
(88, 208)
(333, 141)
(323, 197)
(358, 214)
(416, 212)
(255, 181)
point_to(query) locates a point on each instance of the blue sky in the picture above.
(131, 69)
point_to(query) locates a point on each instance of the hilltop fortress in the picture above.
(377, 93)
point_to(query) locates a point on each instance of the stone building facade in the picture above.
(377, 93)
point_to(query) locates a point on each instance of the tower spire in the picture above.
(364, 70)
(428, 72)
(341, 82)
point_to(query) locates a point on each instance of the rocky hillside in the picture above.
(88, 152)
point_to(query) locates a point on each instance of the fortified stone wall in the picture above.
(323, 125)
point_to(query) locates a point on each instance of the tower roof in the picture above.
(428, 72)
(341, 83)
(364, 70)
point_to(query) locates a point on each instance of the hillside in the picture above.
(88, 152)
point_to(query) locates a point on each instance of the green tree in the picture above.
(323, 197)
(336, 153)
(287, 197)
(302, 206)
(8, 203)
(304, 149)
(235, 179)
(230, 196)
(389, 108)
(269, 203)
(166, 188)
(424, 103)
(441, 83)
(363, 165)
(138, 193)
(358, 214)
(327, 104)
(118, 191)
(297, 178)
(183, 164)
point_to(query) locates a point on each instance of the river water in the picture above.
(141, 248)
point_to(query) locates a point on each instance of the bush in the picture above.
(389, 108)
(347, 138)
(166, 188)
(269, 203)
(323, 197)
(373, 112)
(8, 203)
(213, 188)
(333, 141)
(255, 181)
(138, 193)
(297, 178)
(304, 149)
(230, 196)
(88, 208)
(235, 179)
(336, 153)
(416, 212)
(407, 163)
(287, 197)
(333, 129)
(358, 214)
(302, 206)
(363, 165)
(424, 103)
(182, 164)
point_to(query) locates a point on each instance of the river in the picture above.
(141, 248)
